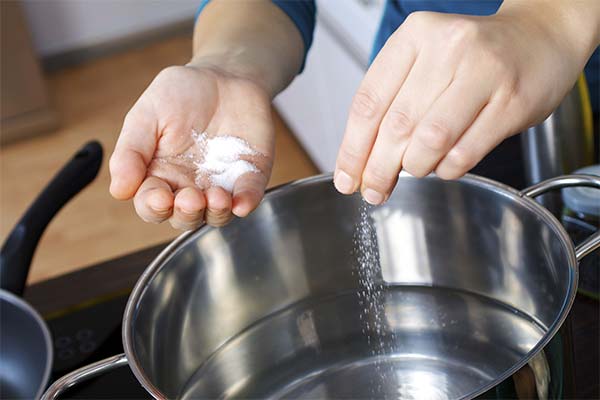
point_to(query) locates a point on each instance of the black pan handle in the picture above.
(17, 251)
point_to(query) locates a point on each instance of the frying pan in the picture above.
(25, 342)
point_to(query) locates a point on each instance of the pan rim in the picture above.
(162, 259)
(18, 302)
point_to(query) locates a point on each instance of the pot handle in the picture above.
(593, 242)
(83, 374)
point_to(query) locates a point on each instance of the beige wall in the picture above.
(61, 25)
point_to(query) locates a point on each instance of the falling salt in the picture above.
(371, 294)
(221, 163)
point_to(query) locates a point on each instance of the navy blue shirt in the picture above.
(302, 13)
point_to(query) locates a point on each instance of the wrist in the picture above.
(254, 40)
(237, 63)
(573, 26)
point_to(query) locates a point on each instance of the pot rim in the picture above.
(24, 306)
(162, 259)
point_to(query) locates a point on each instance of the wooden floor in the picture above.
(92, 100)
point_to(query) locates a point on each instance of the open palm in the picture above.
(154, 159)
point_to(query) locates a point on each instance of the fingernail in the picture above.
(343, 183)
(373, 197)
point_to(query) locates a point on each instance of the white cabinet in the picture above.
(315, 105)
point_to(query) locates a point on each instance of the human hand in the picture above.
(446, 89)
(155, 158)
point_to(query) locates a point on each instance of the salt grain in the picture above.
(372, 302)
(228, 176)
(221, 161)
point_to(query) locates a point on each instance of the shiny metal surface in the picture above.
(25, 349)
(560, 144)
(474, 280)
(560, 182)
(83, 374)
(426, 349)
(591, 243)
(587, 246)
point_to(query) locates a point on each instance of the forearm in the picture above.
(574, 25)
(251, 39)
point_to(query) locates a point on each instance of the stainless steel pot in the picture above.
(474, 279)
(562, 143)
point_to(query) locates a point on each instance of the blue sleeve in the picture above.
(301, 12)
(203, 4)
(303, 15)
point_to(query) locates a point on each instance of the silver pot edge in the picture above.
(154, 268)
(524, 197)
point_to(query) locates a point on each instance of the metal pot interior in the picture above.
(473, 279)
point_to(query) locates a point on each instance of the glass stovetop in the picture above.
(88, 334)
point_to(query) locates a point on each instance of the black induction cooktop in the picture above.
(83, 311)
(89, 334)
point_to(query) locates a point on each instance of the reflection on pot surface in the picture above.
(443, 343)
(474, 280)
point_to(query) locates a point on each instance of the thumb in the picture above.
(248, 192)
(133, 152)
